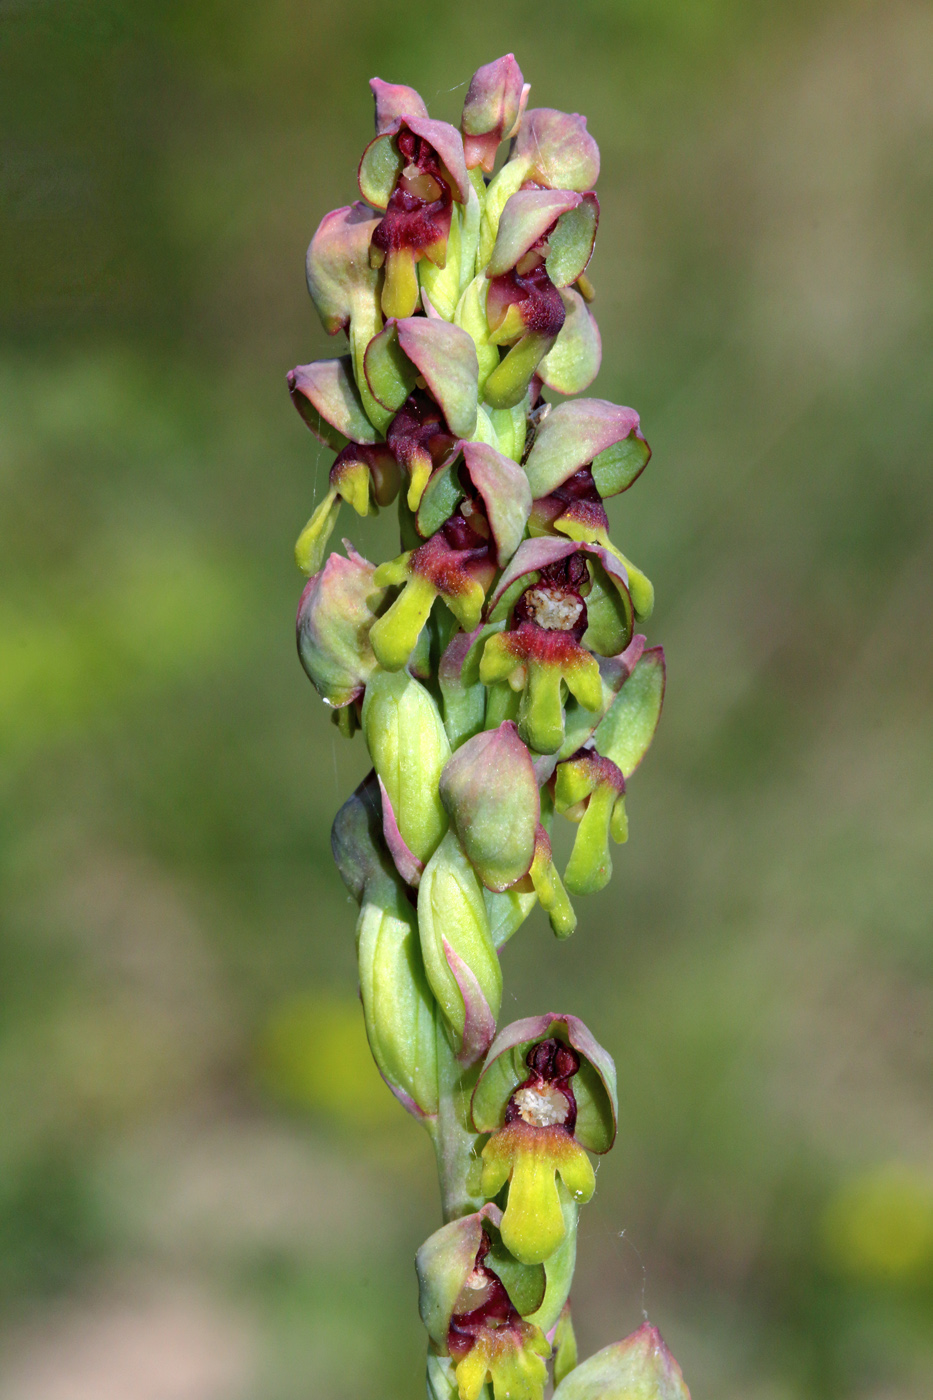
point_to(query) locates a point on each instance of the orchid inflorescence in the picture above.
(495, 670)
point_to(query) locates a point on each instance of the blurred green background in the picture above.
(203, 1197)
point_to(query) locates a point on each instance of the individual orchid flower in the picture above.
(544, 243)
(365, 476)
(414, 170)
(577, 604)
(546, 1092)
(583, 452)
(492, 111)
(477, 512)
(474, 1300)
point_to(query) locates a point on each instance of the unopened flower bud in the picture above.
(638, 1368)
(336, 611)
(490, 794)
(397, 1004)
(461, 963)
(540, 1123)
(626, 732)
(409, 747)
(494, 103)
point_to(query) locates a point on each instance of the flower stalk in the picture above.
(498, 680)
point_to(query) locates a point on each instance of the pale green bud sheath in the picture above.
(493, 668)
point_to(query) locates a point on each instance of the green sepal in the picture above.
(409, 748)
(625, 734)
(390, 374)
(507, 912)
(616, 467)
(573, 361)
(380, 167)
(441, 497)
(565, 1346)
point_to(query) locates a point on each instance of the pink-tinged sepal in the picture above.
(638, 1367)
(590, 790)
(456, 564)
(406, 862)
(394, 101)
(492, 111)
(440, 356)
(337, 609)
(338, 267)
(557, 150)
(445, 357)
(527, 1098)
(326, 396)
(587, 433)
(490, 793)
(505, 494)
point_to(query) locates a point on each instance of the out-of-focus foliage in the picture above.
(178, 1163)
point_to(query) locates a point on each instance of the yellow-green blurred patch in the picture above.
(72, 653)
(879, 1226)
(313, 1054)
